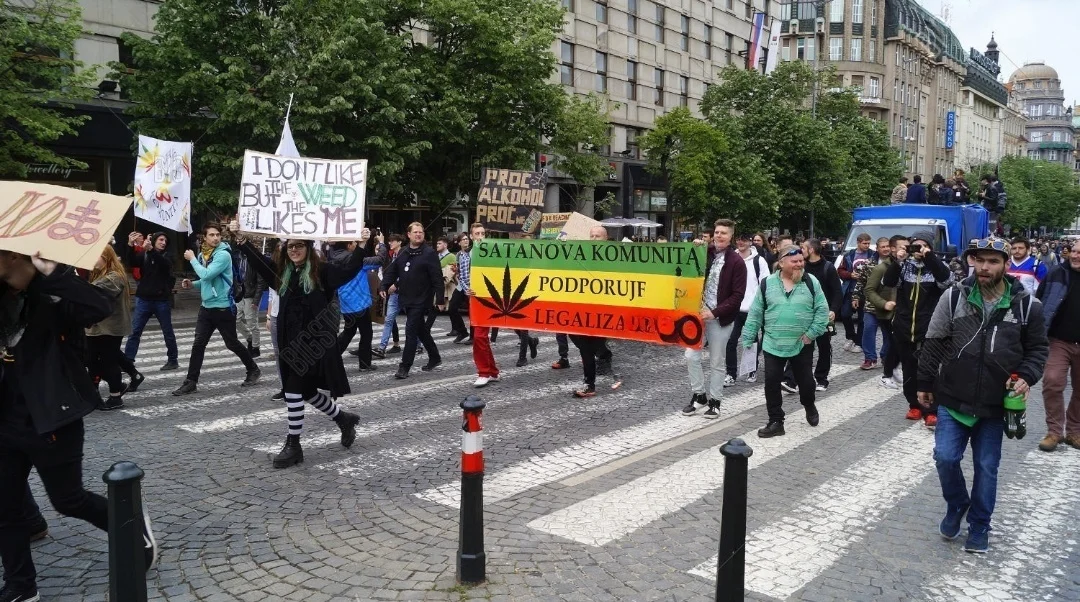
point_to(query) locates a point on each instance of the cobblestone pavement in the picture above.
(612, 498)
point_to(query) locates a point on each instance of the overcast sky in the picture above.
(1028, 30)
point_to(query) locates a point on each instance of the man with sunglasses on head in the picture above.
(919, 277)
(792, 309)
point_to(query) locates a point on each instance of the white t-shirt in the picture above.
(272, 304)
(753, 278)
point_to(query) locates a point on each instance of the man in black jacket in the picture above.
(919, 277)
(152, 294)
(416, 277)
(45, 391)
(983, 332)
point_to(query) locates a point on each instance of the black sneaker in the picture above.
(135, 382)
(812, 416)
(561, 364)
(521, 361)
(461, 339)
(402, 373)
(112, 402)
(10, 595)
(773, 429)
(789, 387)
(255, 352)
(712, 412)
(252, 377)
(189, 386)
(279, 396)
(378, 352)
(697, 401)
(38, 528)
(394, 349)
(428, 367)
(150, 547)
(367, 368)
(355, 352)
(169, 366)
(454, 333)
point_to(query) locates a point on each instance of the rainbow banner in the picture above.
(636, 291)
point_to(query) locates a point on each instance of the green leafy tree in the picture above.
(37, 39)
(220, 73)
(707, 178)
(826, 157)
(423, 90)
(1040, 193)
(581, 128)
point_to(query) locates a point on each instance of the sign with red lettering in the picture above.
(302, 197)
(66, 225)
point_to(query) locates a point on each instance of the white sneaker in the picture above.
(729, 381)
(481, 381)
(848, 346)
(898, 375)
(752, 377)
(856, 349)
(888, 383)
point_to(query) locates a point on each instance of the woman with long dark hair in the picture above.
(307, 335)
(103, 339)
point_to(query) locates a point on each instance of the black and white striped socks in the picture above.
(294, 403)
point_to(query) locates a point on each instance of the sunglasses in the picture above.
(296, 246)
(792, 253)
(993, 244)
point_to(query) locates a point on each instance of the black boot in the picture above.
(521, 357)
(254, 351)
(136, 380)
(347, 423)
(534, 343)
(252, 377)
(291, 454)
(188, 386)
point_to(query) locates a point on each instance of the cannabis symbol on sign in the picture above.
(506, 305)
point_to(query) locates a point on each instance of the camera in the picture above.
(914, 248)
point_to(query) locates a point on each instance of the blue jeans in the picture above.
(869, 338)
(145, 308)
(950, 441)
(391, 319)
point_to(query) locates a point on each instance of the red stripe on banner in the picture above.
(472, 463)
(650, 325)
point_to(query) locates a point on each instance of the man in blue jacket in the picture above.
(917, 192)
(213, 265)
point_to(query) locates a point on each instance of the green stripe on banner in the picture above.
(668, 259)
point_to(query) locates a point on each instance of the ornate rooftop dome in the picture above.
(1030, 71)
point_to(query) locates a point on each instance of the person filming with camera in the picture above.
(920, 277)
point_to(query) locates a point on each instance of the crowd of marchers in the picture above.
(964, 340)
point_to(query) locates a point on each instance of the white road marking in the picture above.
(1036, 506)
(787, 554)
(572, 459)
(618, 512)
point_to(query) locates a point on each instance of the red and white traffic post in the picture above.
(471, 560)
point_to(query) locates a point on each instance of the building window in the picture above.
(1053, 155)
(875, 88)
(730, 5)
(1057, 136)
(631, 141)
(836, 11)
(708, 42)
(601, 72)
(601, 12)
(1036, 136)
(730, 41)
(659, 81)
(684, 90)
(856, 11)
(1036, 85)
(856, 49)
(871, 53)
(631, 80)
(873, 13)
(684, 40)
(568, 5)
(785, 52)
(566, 69)
(1036, 110)
(800, 49)
(631, 17)
(836, 49)
(785, 11)
(660, 23)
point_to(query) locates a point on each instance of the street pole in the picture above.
(818, 5)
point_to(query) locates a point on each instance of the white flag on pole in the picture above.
(287, 148)
(163, 183)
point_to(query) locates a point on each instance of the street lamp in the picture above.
(819, 29)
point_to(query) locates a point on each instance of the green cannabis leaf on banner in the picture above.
(506, 305)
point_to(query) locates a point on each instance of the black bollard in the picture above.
(731, 567)
(127, 560)
(471, 560)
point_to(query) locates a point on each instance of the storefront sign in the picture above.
(636, 291)
(65, 224)
(950, 129)
(507, 197)
(981, 60)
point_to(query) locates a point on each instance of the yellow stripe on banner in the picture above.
(611, 289)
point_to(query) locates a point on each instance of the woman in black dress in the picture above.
(307, 329)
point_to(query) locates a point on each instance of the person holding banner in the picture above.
(593, 350)
(487, 370)
(45, 393)
(218, 310)
(156, 282)
(307, 333)
(416, 277)
(460, 296)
